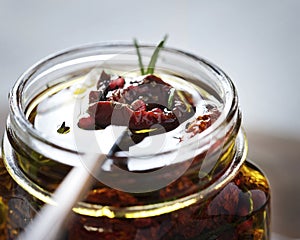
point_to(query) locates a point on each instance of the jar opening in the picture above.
(68, 64)
(211, 151)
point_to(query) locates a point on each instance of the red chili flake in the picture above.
(199, 124)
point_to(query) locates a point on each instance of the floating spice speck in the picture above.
(63, 129)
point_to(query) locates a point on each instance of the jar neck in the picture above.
(213, 156)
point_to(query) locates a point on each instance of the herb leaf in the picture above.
(154, 57)
(139, 56)
(63, 129)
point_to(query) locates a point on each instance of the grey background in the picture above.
(255, 42)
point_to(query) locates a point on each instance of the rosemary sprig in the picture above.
(139, 56)
(154, 57)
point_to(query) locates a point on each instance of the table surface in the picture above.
(278, 156)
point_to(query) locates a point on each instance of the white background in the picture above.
(256, 42)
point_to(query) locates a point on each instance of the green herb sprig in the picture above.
(63, 129)
(154, 57)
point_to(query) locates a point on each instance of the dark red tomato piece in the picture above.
(94, 96)
(110, 113)
(139, 106)
(116, 83)
(87, 123)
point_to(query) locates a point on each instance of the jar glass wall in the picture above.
(170, 185)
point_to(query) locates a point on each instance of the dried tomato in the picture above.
(116, 83)
(139, 106)
(87, 123)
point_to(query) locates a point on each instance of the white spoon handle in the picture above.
(50, 221)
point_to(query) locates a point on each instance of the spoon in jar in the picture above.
(51, 220)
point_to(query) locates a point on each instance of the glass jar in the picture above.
(201, 187)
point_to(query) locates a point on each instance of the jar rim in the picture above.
(229, 120)
(22, 122)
